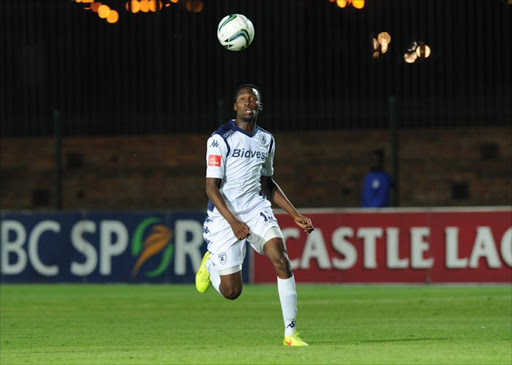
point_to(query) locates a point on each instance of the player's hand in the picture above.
(241, 230)
(304, 223)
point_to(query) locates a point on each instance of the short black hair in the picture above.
(243, 86)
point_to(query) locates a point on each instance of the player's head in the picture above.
(377, 159)
(247, 102)
(250, 86)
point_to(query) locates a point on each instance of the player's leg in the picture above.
(222, 264)
(228, 280)
(275, 250)
(231, 285)
(267, 239)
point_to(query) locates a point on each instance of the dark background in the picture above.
(165, 72)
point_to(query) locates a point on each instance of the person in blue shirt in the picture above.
(377, 183)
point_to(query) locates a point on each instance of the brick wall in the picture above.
(454, 167)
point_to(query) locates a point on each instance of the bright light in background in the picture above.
(194, 6)
(380, 44)
(95, 5)
(103, 11)
(384, 39)
(113, 17)
(416, 51)
(410, 57)
(357, 4)
(144, 6)
(133, 6)
(422, 50)
(341, 3)
(155, 5)
(375, 44)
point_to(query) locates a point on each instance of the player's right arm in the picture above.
(240, 229)
(216, 154)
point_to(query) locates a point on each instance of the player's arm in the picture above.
(240, 229)
(275, 194)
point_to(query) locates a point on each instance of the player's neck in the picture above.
(246, 126)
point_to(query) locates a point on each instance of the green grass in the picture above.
(172, 324)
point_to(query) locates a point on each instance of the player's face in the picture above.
(247, 105)
(375, 161)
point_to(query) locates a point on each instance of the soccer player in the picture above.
(240, 188)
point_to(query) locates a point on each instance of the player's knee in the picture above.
(281, 264)
(232, 293)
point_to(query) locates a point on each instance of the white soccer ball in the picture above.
(235, 32)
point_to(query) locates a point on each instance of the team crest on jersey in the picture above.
(213, 160)
(263, 138)
(223, 258)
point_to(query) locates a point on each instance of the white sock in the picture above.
(288, 298)
(214, 275)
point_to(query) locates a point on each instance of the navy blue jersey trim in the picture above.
(248, 134)
(264, 130)
(225, 131)
(210, 205)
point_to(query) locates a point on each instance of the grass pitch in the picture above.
(173, 324)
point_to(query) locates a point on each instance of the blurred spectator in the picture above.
(377, 183)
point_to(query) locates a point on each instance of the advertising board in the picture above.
(398, 246)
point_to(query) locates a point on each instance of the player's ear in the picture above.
(234, 107)
(261, 106)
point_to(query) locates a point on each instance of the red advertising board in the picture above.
(398, 246)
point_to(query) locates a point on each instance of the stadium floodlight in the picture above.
(384, 40)
(113, 16)
(342, 3)
(356, 4)
(410, 57)
(422, 50)
(133, 6)
(380, 44)
(103, 11)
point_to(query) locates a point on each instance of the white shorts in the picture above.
(226, 251)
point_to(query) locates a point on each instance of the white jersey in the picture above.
(239, 159)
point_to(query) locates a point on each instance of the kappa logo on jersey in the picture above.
(249, 154)
(214, 144)
(213, 160)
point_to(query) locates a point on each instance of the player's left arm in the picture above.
(275, 194)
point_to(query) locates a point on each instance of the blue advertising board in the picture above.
(153, 246)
